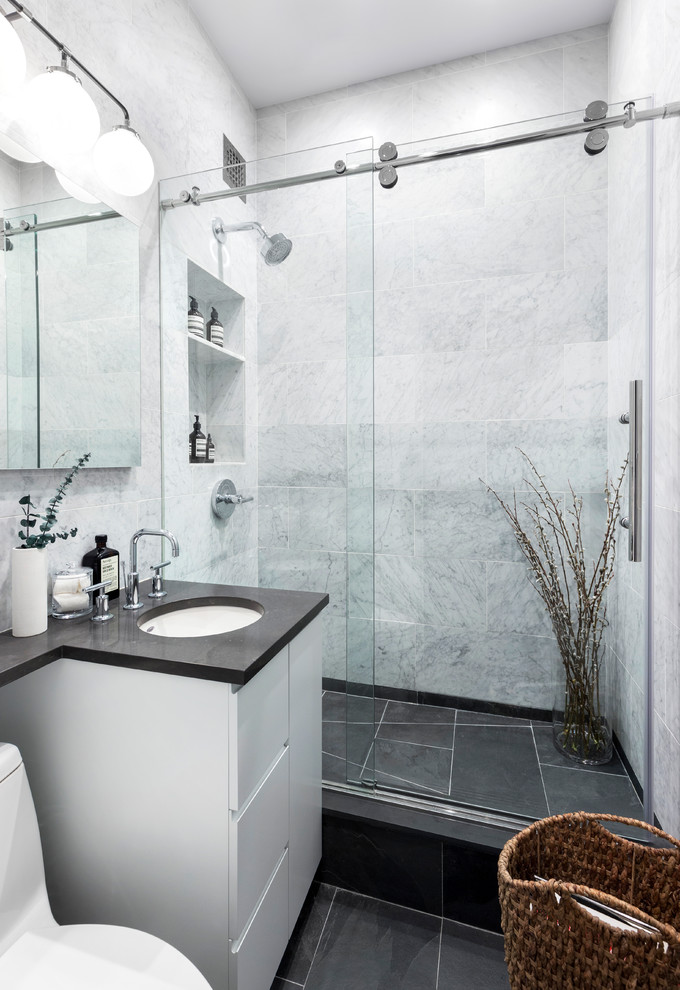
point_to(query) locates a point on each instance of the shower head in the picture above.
(274, 249)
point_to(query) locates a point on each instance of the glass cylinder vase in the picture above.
(581, 723)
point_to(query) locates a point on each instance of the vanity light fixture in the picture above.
(56, 102)
(74, 190)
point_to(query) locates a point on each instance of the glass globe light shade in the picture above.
(57, 107)
(12, 58)
(123, 162)
(69, 186)
(15, 150)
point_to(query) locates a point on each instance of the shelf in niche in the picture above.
(206, 351)
(217, 374)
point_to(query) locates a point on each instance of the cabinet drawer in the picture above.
(258, 728)
(255, 956)
(258, 835)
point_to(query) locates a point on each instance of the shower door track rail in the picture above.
(195, 198)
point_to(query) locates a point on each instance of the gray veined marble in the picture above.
(513, 239)
(424, 318)
(303, 456)
(555, 307)
(317, 518)
(454, 592)
(513, 604)
(464, 526)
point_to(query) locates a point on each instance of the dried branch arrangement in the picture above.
(574, 596)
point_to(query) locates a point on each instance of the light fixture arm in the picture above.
(22, 11)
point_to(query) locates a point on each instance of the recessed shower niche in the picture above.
(216, 373)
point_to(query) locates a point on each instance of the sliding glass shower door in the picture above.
(511, 311)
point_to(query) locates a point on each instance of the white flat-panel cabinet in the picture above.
(187, 808)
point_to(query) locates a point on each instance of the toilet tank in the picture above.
(23, 896)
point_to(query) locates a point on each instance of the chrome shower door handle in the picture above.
(633, 521)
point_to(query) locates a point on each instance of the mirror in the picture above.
(69, 325)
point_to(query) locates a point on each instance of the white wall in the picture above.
(645, 59)
(155, 58)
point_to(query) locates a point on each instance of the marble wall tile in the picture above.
(360, 585)
(424, 318)
(479, 385)
(385, 116)
(394, 247)
(586, 73)
(300, 329)
(488, 95)
(547, 308)
(514, 668)
(454, 592)
(306, 570)
(396, 384)
(394, 522)
(360, 518)
(273, 517)
(272, 394)
(317, 392)
(513, 604)
(564, 451)
(395, 654)
(454, 455)
(432, 188)
(463, 526)
(398, 456)
(585, 380)
(547, 43)
(667, 750)
(539, 171)
(585, 229)
(303, 456)
(398, 588)
(317, 519)
(514, 239)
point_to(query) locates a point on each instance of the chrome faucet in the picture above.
(132, 580)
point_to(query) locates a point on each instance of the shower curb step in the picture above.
(388, 847)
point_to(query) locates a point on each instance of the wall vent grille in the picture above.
(234, 171)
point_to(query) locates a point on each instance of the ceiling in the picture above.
(280, 50)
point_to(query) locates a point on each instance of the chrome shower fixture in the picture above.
(274, 249)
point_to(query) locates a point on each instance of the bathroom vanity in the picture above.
(178, 782)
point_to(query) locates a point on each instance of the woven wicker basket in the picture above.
(555, 944)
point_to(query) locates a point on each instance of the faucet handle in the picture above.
(157, 580)
(101, 602)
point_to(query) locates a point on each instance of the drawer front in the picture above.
(255, 956)
(258, 836)
(258, 728)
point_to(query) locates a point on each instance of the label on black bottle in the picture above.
(109, 572)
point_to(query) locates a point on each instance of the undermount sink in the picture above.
(200, 617)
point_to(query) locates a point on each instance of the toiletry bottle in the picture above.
(105, 564)
(197, 444)
(209, 450)
(214, 330)
(196, 323)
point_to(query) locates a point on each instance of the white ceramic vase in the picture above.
(29, 591)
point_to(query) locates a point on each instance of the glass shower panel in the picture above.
(22, 347)
(503, 331)
(360, 664)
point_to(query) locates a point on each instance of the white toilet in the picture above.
(38, 954)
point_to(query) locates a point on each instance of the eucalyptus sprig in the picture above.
(45, 536)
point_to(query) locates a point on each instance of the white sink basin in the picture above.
(200, 620)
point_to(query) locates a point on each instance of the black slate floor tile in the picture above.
(549, 755)
(464, 717)
(335, 707)
(573, 790)
(497, 767)
(407, 711)
(413, 767)
(471, 960)
(352, 741)
(297, 959)
(371, 945)
(425, 734)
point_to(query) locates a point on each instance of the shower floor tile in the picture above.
(489, 761)
(347, 941)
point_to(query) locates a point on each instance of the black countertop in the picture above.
(232, 657)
